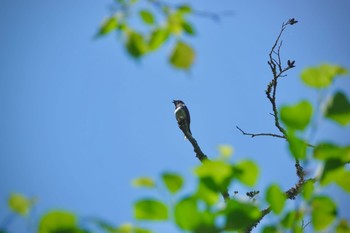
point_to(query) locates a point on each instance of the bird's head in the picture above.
(177, 102)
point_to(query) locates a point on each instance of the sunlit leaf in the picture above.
(188, 28)
(321, 76)
(175, 23)
(343, 180)
(136, 45)
(296, 116)
(108, 26)
(323, 212)
(333, 170)
(150, 209)
(290, 219)
(240, 215)
(276, 198)
(225, 151)
(144, 182)
(187, 214)
(271, 229)
(58, 221)
(182, 56)
(338, 109)
(158, 38)
(207, 195)
(20, 204)
(172, 181)
(297, 146)
(308, 189)
(147, 17)
(343, 226)
(247, 172)
(325, 151)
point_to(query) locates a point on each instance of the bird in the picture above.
(182, 113)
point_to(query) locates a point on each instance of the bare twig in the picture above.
(199, 153)
(260, 134)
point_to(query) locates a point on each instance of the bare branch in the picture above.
(260, 134)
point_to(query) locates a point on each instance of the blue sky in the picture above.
(80, 119)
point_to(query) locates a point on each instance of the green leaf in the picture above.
(188, 28)
(247, 172)
(332, 172)
(150, 209)
(325, 151)
(184, 9)
(158, 37)
(321, 76)
(323, 212)
(216, 175)
(144, 182)
(108, 26)
(187, 214)
(182, 56)
(291, 218)
(338, 109)
(296, 116)
(270, 229)
(174, 25)
(20, 204)
(58, 221)
(343, 180)
(240, 215)
(207, 195)
(276, 198)
(136, 45)
(172, 181)
(147, 17)
(225, 151)
(297, 146)
(308, 189)
(343, 226)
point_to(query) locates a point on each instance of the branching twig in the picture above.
(260, 134)
(199, 153)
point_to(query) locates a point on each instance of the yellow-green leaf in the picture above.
(296, 116)
(150, 209)
(225, 151)
(136, 45)
(308, 189)
(58, 221)
(108, 26)
(343, 226)
(276, 198)
(338, 109)
(147, 17)
(324, 212)
(297, 146)
(20, 204)
(144, 182)
(158, 37)
(172, 181)
(182, 56)
(321, 76)
(247, 172)
(187, 215)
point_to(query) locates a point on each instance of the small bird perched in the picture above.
(182, 113)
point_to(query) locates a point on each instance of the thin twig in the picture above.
(260, 134)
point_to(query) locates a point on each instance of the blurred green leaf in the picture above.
(321, 76)
(150, 209)
(184, 9)
(175, 21)
(334, 171)
(158, 37)
(172, 181)
(343, 180)
(276, 198)
(297, 146)
(296, 116)
(207, 195)
(20, 204)
(136, 45)
(108, 26)
(187, 215)
(58, 221)
(188, 28)
(147, 17)
(271, 229)
(323, 212)
(290, 219)
(343, 226)
(247, 172)
(308, 189)
(338, 109)
(144, 182)
(225, 151)
(240, 215)
(325, 151)
(182, 56)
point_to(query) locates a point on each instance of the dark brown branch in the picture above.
(260, 134)
(199, 153)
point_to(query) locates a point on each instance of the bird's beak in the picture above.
(173, 101)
